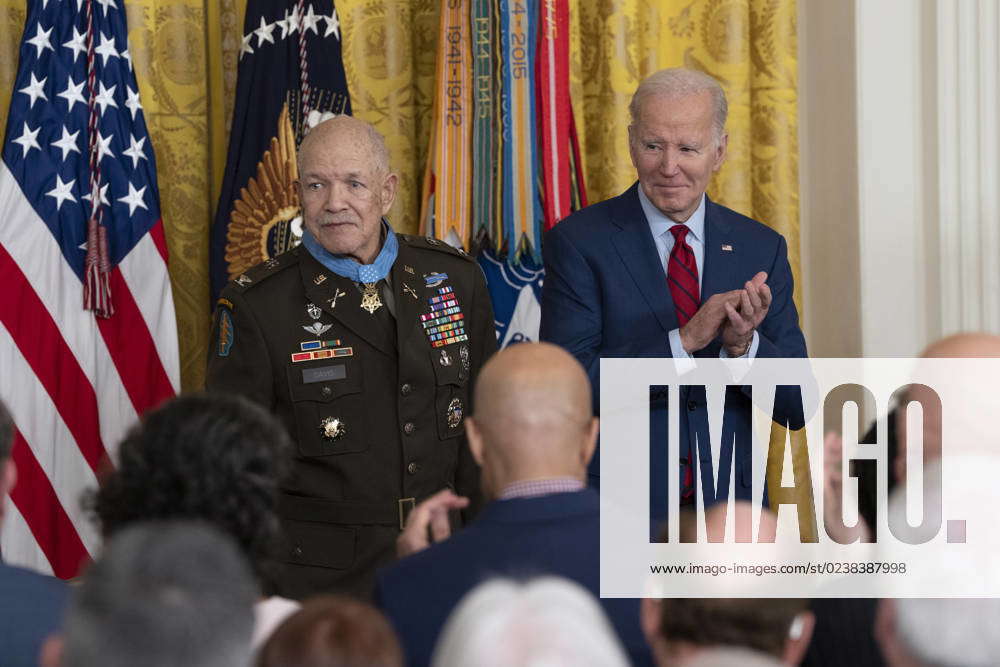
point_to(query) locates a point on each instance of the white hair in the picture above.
(952, 632)
(680, 82)
(545, 622)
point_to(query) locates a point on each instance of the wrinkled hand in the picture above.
(704, 326)
(428, 522)
(833, 494)
(754, 301)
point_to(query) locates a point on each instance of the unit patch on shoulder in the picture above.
(227, 333)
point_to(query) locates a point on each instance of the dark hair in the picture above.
(161, 594)
(6, 432)
(332, 631)
(759, 624)
(210, 457)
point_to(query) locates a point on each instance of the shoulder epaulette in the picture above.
(261, 272)
(431, 243)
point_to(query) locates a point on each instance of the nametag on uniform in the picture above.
(324, 373)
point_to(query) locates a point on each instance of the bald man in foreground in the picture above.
(533, 434)
(365, 343)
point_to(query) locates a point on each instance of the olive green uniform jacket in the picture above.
(377, 413)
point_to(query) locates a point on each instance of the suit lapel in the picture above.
(721, 253)
(634, 244)
(340, 298)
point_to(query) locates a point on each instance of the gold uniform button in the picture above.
(326, 391)
(405, 389)
(413, 468)
(408, 428)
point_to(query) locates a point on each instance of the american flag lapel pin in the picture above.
(726, 247)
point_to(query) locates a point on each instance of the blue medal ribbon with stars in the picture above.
(349, 268)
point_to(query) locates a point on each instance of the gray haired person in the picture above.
(161, 594)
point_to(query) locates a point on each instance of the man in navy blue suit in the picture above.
(663, 271)
(532, 434)
(31, 604)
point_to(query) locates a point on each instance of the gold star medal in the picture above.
(371, 300)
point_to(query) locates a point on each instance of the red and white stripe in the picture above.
(73, 383)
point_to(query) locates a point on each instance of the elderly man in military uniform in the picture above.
(366, 343)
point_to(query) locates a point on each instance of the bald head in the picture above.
(532, 414)
(964, 346)
(967, 417)
(343, 132)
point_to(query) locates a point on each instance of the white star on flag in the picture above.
(103, 196)
(28, 139)
(41, 40)
(128, 57)
(34, 90)
(332, 25)
(67, 142)
(73, 93)
(61, 192)
(107, 49)
(105, 98)
(105, 3)
(133, 198)
(135, 151)
(78, 44)
(133, 101)
(245, 47)
(310, 21)
(264, 32)
(104, 146)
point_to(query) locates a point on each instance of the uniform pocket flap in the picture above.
(449, 367)
(319, 544)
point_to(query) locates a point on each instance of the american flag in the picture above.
(72, 380)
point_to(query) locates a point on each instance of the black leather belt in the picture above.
(302, 508)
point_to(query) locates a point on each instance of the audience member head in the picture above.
(968, 419)
(206, 457)
(333, 631)
(938, 632)
(161, 595)
(8, 473)
(718, 519)
(547, 621)
(345, 186)
(678, 629)
(532, 417)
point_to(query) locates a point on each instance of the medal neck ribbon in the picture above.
(349, 268)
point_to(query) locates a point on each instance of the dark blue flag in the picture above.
(290, 76)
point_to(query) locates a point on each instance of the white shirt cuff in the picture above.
(741, 369)
(683, 361)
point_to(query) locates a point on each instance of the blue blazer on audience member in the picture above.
(31, 608)
(557, 534)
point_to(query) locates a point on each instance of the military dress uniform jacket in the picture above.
(375, 404)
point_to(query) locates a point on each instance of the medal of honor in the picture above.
(371, 300)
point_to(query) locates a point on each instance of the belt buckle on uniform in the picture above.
(406, 506)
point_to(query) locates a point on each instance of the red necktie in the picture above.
(682, 278)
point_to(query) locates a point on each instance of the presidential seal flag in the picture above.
(88, 340)
(291, 76)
